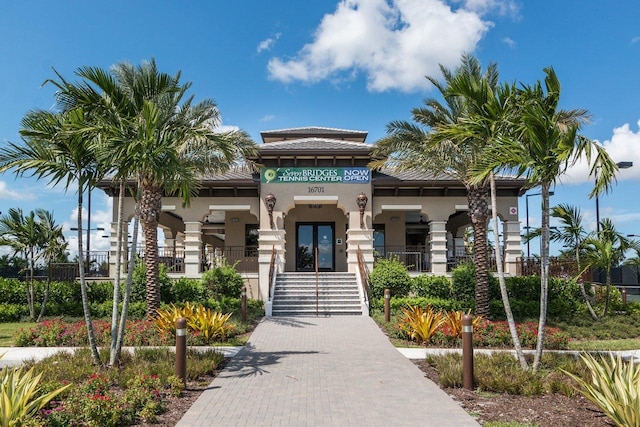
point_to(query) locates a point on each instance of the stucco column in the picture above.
(192, 248)
(113, 250)
(512, 246)
(438, 233)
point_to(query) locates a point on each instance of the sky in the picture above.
(352, 64)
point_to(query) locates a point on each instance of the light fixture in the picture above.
(395, 218)
(361, 200)
(235, 219)
(270, 200)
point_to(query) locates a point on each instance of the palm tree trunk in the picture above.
(503, 286)
(479, 213)
(127, 289)
(583, 291)
(30, 286)
(544, 275)
(113, 350)
(150, 209)
(83, 287)
(608, 294)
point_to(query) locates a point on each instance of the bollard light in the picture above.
(467, 352)
(387, 305)
(181, 349)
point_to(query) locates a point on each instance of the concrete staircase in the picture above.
(295, 294)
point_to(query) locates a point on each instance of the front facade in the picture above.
(316, 205)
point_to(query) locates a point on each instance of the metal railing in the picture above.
(415, 258)
(455, 261)
(364, 277)
(172, 258)
(558, 267)
(245, 258)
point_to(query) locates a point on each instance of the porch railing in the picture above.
(415, 258)
(245, 258)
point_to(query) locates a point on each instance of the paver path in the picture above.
(336, 371)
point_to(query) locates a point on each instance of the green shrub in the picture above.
(396, 304)
(183, 290)
(431, 286)
(100, 291)
(12, 312)
(223, 281)
(389, 274)
(463, 282)
(12, 291)
(139, 287)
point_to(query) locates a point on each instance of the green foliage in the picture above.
(12, 312)
(390, 274)
(614, 387)
(223, 281)
(501, 373)
(431, 286)
(183, 289)
(12, 291)
(396, 304)
(463, 282)
(139, 284)
(21, 396)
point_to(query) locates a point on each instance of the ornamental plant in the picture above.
(419, 324)
(21, 396)
(206, 324)
(614, 388)
(453, 322)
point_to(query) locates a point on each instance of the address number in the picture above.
(316, 189)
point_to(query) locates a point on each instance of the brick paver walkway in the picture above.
(336, 371)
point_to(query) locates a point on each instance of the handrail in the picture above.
(364, 276)
(317, 293)
(272, 279)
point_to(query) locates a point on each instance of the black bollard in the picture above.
(181, 349)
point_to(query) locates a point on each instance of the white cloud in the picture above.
(635, 40)
(268, 118)
(624, 145)
(268, 43)
(15, 194)
(509, 41)
(395, 43)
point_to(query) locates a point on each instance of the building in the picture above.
(315, 199)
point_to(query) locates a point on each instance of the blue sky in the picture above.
(355, 64)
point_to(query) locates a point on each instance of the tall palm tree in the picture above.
(545, 145)
(571, 234)
(53, 248)
(417, 146)
(163, 139)
(606, 250)
(50, 150)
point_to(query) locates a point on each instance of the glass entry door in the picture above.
(312, 236)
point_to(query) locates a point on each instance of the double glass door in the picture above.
(311, 239)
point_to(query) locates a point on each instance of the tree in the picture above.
(158, 141)
(571, 234)
(419, 146)
(51, 149)
(544, 144)
(606, 250)
(37, 237)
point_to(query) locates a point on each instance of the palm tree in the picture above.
(605, 251)
(156, 134)
(571, 234)
(488, 116)
(53, 248)
(21, 233)
(545, 145)
(417, 146)
(50, 150)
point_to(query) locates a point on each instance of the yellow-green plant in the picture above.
(21, 396)
(166, 318)
(421, 324)
(614, 388)
(211, 325)
(453, 319)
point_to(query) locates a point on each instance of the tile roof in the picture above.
(315, 145)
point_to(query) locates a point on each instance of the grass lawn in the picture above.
(7, 330)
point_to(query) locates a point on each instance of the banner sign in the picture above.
(315, 175)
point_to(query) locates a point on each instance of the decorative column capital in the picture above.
(270, 200)
(361, 200)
